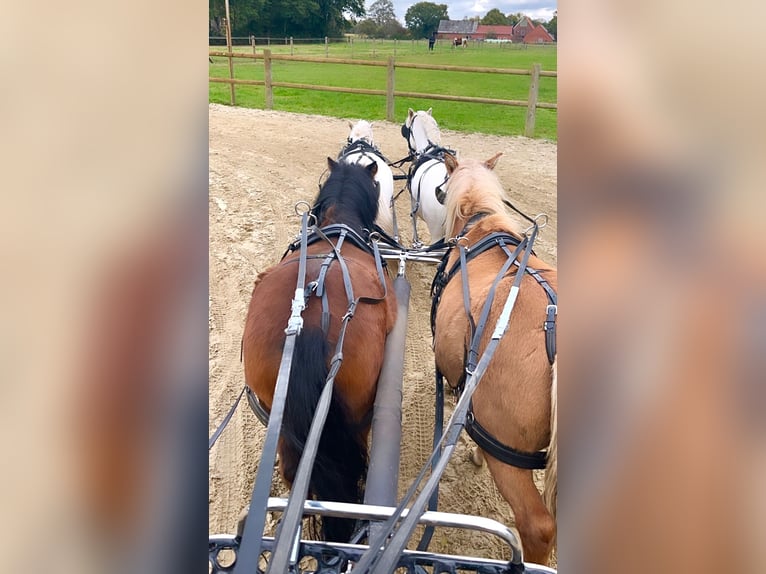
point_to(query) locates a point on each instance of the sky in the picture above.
(459, 9)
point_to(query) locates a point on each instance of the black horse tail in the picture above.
(341, 461)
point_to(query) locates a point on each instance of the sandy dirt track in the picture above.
(261, 164)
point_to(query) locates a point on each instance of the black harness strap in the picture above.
(362, 147)
(331, 231)
(225, 421)
(498, 450)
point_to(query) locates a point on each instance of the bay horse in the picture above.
(515, 401)
(361, 149)
(427, 173)
(346, 207)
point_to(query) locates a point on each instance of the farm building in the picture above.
(525, 31)
(523, 27)
(486, 32)
(538, 36)
(451, 29)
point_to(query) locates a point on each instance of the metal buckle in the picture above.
(550, 317)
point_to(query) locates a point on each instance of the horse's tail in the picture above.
(551, 470)
(341, 461)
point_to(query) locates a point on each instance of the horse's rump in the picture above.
(270, 308)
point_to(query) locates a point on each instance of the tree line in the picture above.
(333, 18)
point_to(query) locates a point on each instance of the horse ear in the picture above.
(492, 162)
(451, 162)
(350, 124)
(331, 163)
(372, 169)
(410, 114)
(429, 111)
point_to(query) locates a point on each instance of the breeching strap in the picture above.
(382, 558)
(250, 547)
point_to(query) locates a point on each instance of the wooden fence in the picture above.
(390, 93)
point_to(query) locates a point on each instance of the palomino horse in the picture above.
(427, 173)
(361, 149)
(514, 403)
(348, 204)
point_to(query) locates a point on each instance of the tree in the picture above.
(381, 12)
(494, 18)
(394, 29)
(422, 19)
(513, 19)
(552, 25)
(367, 27)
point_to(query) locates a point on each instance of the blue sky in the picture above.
(458, 9)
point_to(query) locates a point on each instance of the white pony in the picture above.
(361, 149)
(428, 173)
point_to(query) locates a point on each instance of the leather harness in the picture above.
(502, 240)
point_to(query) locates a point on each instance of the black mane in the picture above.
(349, 196)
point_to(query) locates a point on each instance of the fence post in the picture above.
(326, 47)
(352, 47)
(390, 90)
(291, 45)
(252, 41)
(232, 97)
(373, 48)
(395, 41)
(529, 127)
(267, 79)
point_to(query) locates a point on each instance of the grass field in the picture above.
(470, 117)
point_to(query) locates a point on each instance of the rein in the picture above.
(250, 549)
(289, 527)
(386, 547)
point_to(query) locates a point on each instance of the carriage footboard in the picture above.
(332, 557)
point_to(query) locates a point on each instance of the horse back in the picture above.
(270, 308)
(513, 398)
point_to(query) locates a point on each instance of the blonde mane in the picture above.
(474, 188)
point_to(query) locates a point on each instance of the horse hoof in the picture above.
(476, 456)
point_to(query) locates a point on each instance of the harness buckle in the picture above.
(350, 312)
(550, 320)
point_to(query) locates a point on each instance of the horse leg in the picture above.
(535, 524)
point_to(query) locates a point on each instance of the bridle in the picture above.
(407, 134)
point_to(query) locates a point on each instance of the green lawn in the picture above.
(492, 119)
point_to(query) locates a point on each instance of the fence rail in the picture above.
(531, 103)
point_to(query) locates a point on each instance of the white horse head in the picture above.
(421, 130)
(364, 154)
(361, 130)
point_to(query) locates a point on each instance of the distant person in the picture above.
(432, 41)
